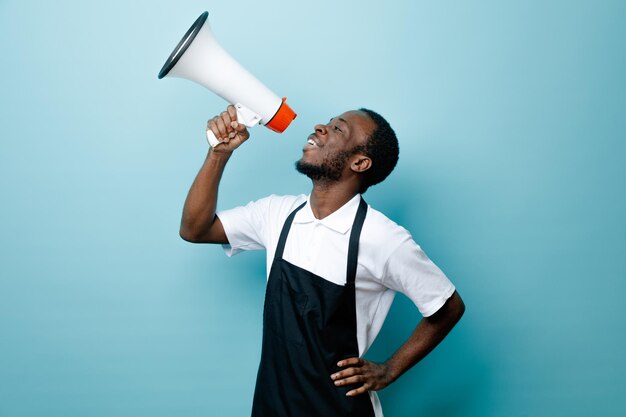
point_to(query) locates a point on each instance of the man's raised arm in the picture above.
(199, 224)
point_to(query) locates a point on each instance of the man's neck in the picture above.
(328, 198)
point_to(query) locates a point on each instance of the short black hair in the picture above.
(382, 148)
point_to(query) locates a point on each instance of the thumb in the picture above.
(239, 127)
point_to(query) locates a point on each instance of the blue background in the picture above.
(511, 177)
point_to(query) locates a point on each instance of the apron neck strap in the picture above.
(353, 248)
(280, 248)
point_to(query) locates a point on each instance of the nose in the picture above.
(321, 129)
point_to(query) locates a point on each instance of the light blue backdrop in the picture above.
(511, 177)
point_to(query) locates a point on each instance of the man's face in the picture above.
(329, 150)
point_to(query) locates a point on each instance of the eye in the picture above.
(337, 128)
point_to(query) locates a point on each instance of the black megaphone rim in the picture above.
(183, 45)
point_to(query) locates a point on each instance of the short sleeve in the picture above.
(411, 272)
(245, 226)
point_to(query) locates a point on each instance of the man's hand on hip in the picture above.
(373, 376)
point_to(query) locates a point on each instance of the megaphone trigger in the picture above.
(247, 116)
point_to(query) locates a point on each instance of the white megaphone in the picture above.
(198, 57)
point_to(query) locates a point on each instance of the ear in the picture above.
(360, 163)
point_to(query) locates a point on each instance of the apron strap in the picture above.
(353, 248)
(280, 248)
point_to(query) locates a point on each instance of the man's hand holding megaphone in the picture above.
(228, 131)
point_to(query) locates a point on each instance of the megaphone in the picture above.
(200, 58)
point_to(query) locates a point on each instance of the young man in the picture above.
(334, 265)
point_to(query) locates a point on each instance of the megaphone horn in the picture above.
(200, 58)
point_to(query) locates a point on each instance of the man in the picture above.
(334, 265)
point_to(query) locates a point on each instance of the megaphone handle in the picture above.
(210, 137)
(244, 115)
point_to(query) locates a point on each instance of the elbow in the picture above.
(461, 311)
(458, 307)
(191, 229)
(199, 235)
(188, 235)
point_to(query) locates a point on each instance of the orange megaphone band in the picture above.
(283, 117)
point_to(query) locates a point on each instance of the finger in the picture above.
(232, 111)
(212, 125)
(349, 381)
(226, 118)
(221, 127)
(345, 373)
(241, 131)
(358, 391)
(239, 127)
(351, 361)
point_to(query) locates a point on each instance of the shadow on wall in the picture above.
(451, 381)
(456, 378)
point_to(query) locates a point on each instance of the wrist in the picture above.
(393, 371)
(220, 155)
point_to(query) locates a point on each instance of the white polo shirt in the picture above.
(389, 259)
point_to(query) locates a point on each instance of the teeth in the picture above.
(310, 141)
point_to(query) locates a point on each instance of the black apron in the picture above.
(309, 324)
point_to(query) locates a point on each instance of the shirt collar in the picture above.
(340, 220)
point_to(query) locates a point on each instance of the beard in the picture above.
(329, 170)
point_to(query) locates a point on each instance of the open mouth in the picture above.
(311, 141)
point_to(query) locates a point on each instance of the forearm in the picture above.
(427, 335)
(201, 202)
